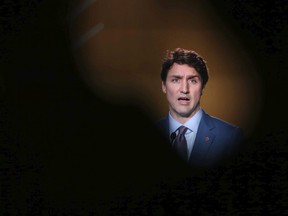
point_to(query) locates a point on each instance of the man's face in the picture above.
(183, 89)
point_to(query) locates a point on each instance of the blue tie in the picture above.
(180, 143)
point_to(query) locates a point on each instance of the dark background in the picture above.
(63, 150)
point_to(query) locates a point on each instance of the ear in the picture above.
(202, 90)
(163, 87)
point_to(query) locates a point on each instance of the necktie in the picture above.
(180, 143)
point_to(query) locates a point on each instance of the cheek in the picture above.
(168, 90)
(170, 95)
(197, 93)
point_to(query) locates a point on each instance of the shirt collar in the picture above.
(192, 124)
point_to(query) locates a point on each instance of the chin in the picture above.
(185, 114)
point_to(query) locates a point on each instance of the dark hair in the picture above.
(183, 56)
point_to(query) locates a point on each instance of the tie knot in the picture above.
(182, 129)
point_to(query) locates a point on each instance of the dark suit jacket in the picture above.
(216, 140)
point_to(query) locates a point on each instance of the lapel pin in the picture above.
(206, 138)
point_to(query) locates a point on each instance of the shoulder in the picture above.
(224, 128)
(162, 120)
(220, 126)
(218, 122)
(162, 123)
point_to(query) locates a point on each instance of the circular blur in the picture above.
(119, 46)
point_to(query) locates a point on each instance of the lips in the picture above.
(183, 99)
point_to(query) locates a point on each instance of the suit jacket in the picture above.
(216, 140)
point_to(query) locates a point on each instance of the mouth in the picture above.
(184, 99)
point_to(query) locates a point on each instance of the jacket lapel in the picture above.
(204, 139)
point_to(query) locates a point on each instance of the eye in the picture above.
(193, 81)
(175, 80)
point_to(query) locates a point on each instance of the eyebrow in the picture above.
(189, 77)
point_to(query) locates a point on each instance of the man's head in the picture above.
(183, 56)
(184, 75)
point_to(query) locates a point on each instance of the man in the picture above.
(204, 140)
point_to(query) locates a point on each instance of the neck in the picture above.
(182, 118)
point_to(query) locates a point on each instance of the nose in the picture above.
(184, 87)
